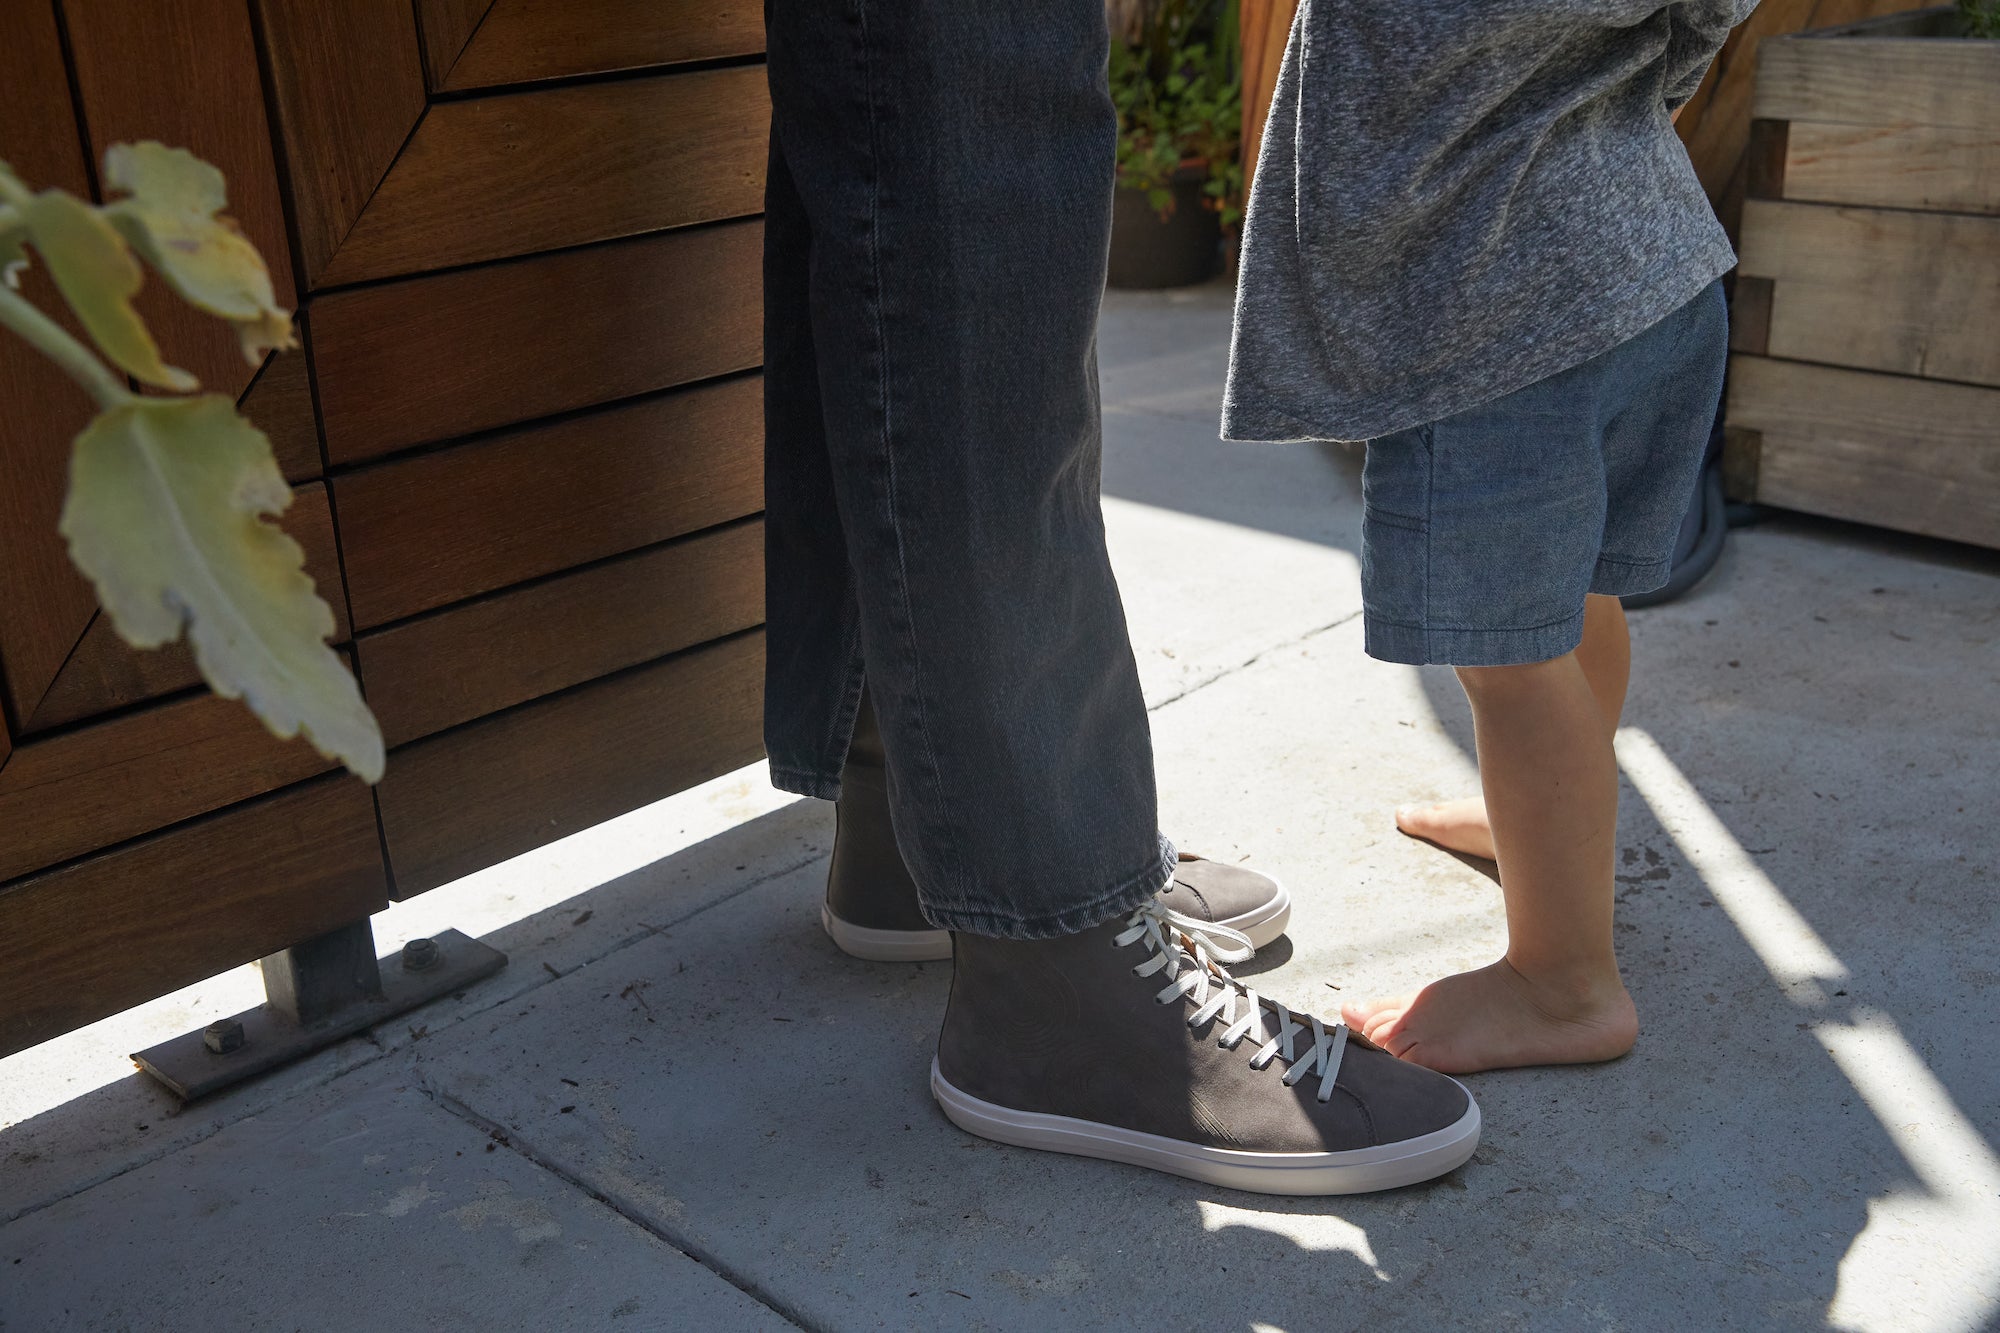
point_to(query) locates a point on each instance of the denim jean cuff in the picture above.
(801, 783)
(1124, 897)
(1415, 645)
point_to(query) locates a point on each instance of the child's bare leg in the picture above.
(1606, 658)
(1551, 786)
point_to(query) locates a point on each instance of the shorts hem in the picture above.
(1614, 577)
(1417, 645)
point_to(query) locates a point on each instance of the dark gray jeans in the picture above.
(936, 232)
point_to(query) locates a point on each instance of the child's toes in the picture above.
(1364, 1014)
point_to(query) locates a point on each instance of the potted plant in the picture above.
(1177, 81)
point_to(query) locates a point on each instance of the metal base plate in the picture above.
(191, 1070)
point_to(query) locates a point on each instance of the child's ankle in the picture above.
(1569, 985)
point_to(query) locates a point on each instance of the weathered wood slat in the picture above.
(522, 41)
(185, 72)
(493, 177)
(101, 784)
(347, 85)
(1855, 80)
(1877, 289)
(467, 661)
(45, 605)
(429, 358)
(104, 672)
(112, 931)
(495, 788)
(1894, 166)
(1904, 453)
(422, 532)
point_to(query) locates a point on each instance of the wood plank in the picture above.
(347, 86)
(1894, 166)
(462, 663)
(104, 672)
(1903, 453)
(86, 941)
(279, 403)
(1943, 81)
(1265, 27)
(46, 603)
(495, 177)
(421, 532)
(525, 40)
(446, 26)
(461, 801)
(76, 792)
(185, 72)
(1877, 289)
(429, 358)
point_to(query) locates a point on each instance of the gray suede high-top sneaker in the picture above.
(1131, 1042)
(871, 908)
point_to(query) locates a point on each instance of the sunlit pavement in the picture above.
(680, 1107)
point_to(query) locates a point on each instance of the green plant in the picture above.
(1982, 17)
(1177, 81)
(168, 493)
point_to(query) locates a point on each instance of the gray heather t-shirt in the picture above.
(1457, 198)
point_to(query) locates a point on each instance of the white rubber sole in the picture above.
(1358, 1171)
(1263, 925)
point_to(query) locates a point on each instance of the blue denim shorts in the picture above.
(1482, 532)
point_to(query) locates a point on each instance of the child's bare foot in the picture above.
(1496, 1018)
(1456, 826)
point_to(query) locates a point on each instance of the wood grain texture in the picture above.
(1903, 453)
(279, 403)
(184, 72)
(104, 672)
(44, 604)
(467, 661)
(101, 784)
(429, 358)
(446, 26)
(522, 41)
(109, 932)
(1928, 167)
(421, 532)
(1265, 26)
(495, 177)
(461, 801)
(1864, 80)
(1879, 289)
(347, 86)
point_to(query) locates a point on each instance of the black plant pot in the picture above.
(1176, 251)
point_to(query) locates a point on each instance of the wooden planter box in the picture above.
(1865, 383)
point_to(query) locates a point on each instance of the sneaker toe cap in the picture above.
(1403, 1101)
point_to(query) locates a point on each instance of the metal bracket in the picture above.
(320, 990)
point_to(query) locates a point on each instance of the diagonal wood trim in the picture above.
(431, 358)
(44, 603)
(523, 41)
(495, 177)
(185, 72)
(347, 87)
(118, 929)
(102, 784)
(447, 25)
(104, 672)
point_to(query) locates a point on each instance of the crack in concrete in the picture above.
(510, 1138)
(1225, 673)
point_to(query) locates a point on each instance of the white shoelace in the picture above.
(1191, 953)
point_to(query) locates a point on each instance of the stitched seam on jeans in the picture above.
(1632, 559)
(888, 436)
(1428, 434)
(1488, 629)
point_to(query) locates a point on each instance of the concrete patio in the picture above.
(680, 1107)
